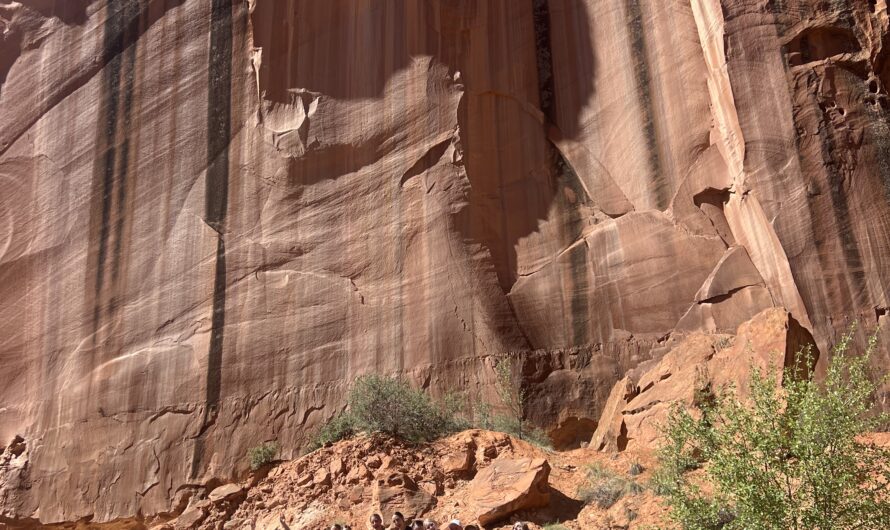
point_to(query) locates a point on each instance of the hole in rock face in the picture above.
(872, 5)
(818, 43)
(873, 86)
(572, 432)
(17, 447)
(711, 196)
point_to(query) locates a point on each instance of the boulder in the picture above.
(398, 492)
(192, 517)
(225, 492)
(322, 477)
(459, 461)
(507, 486)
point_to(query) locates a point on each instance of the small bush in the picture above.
(389, 405)
(338, 428)
(788, 457)
(482, 417)
(521, 430)
(636, 469)
(604, 488)
(261, 455)
(555, 526)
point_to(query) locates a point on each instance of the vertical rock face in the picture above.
(216, 213)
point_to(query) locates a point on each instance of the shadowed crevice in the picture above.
(216, 190)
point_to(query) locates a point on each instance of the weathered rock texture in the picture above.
(216, 213)
(696, 368)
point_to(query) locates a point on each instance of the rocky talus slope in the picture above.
(352, 479)
(215, 214)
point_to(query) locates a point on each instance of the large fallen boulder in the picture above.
(397, 491)
(508, 486)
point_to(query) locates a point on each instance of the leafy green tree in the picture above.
(791, 456)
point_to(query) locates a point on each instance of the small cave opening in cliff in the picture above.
(819, 43)
(17, 446)
(572, 433)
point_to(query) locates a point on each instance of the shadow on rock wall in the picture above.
(501, 53)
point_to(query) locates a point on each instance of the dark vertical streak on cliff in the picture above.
(103, 177)
(219, 96)
(564, 176)
(640, 67)
(837, 176)
(120, 34)
(131, 15)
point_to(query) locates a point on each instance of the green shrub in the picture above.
(338, 428)
(790, 457)
(604, 488)
(389, 405)
(636, 469)
(555, 526)
(482, 417)
(261, 455)
(508, 384)
(522, 430)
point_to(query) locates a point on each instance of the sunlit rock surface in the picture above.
(216, 213)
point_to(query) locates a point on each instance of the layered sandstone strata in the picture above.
(216, 213)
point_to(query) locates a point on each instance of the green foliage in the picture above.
(636, 469)
(482, 418)
(555, 526)
(522, 430)
(339, 427)
(604, 488)
(261, 455)
(389, 405)
(789, 457)
(512, 395)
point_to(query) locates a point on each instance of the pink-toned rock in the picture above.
(336, 467)
(459, 461)
(507, 486)
(225, 492)
(322, 477)
(398, 492)
(611, 432)
(213, 220)
(699, 363)
(192, 517)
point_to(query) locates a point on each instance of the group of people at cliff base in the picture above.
(375, 522)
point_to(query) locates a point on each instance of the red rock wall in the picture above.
(216, 213)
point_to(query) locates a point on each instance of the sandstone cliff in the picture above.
(216, 213)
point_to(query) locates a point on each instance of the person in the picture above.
(417, 524)
(398, 522)
(429, 524)
(336, 526)
(376, 522)
(471, 527)
(520, 526)
(454, 525)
